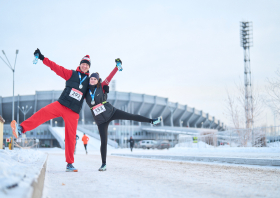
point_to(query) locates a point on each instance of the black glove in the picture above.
(41, 56)
(106, 88)
(118, 60)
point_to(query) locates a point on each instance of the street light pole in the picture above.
(24, 111)
(13, 70)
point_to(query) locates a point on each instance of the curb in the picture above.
(244, 161)
(38, 183)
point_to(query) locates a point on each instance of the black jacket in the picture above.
(74, 82)
(131, 141)
(100, 97)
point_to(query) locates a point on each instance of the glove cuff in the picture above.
(41, 57)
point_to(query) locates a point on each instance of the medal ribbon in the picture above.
(81, 81)
(92, 95)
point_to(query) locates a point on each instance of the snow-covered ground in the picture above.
(207, 150)
(18, 169)
(134, 177)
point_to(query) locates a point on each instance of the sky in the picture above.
(187, 51)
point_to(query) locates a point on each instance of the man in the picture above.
(68, 105)
(85, 140)
(131, 141)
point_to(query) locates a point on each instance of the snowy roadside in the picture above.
(221, 151)
(19, 168)
(267, 156)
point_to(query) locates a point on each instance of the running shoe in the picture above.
(102, 168)
(156, 120)
(71, 168)
(16, 128)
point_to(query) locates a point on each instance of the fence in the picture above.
(255, 137)
(205, 139)
(27, 143)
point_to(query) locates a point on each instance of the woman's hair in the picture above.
(99, 81)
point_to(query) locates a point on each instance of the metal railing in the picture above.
(27, 143)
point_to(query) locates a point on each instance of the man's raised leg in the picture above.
(43, 115)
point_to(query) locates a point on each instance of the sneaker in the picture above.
(16, 128)
(102, 168)
(156, 120)
(71, 168)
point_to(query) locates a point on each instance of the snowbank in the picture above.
(200, 144)
(18, 169)
(273, 144)
(228, 149)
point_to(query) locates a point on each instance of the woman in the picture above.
(103, 112)
(67, 106)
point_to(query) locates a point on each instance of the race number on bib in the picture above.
(98, 109)
(76, 94)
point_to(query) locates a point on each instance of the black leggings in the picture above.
(103, 129)
(85, 145)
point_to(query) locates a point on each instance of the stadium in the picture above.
(177, 118)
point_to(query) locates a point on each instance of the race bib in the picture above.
(76, 94)
(98, 109)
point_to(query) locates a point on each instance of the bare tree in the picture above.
(272, 99)
(236, 111)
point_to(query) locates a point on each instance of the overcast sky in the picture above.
(188, 51)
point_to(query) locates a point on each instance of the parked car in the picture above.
(147, 144)
(163, 144)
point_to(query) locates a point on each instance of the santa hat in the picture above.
(86, 59)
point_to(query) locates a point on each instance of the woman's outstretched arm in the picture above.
(109, 78)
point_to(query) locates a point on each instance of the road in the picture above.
(132, 177)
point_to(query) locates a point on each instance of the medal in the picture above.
(92, 97)
(81, 86)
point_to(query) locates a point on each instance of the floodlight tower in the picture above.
(246, 41)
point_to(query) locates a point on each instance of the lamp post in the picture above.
(13, 70)
(25, 111)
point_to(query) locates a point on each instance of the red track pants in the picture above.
(52, 111)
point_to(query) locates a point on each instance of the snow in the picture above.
(273, 144)
(221, 151)
(199, 144)
(134, 177)
(19, 168)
